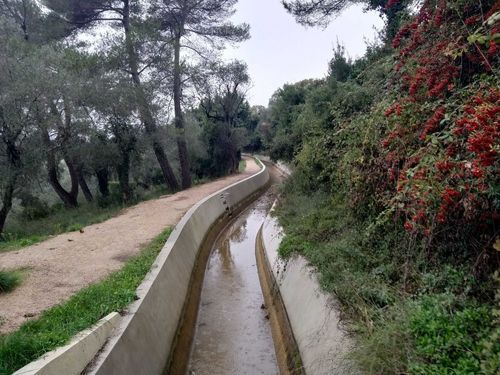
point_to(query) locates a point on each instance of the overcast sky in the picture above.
(281, 51)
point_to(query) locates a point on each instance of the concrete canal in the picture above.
(229, 331)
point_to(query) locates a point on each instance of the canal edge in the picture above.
(286, 348)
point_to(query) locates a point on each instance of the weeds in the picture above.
(449, 334)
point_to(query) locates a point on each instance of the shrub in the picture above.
(34, 208)
(441, 150)
(449, 335)
(8, 281)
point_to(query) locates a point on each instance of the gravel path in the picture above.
(62, 265)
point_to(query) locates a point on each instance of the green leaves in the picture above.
(449, 335)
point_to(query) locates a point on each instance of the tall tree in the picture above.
(20, 89)
(34, 24)
(186, 22)
(224, 112)
(61, 118)
(69, 198)
(127, 16)
(37, 30)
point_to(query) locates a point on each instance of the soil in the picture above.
(61, 266)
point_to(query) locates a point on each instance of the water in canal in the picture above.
(233, 334)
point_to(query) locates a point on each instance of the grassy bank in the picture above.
(21, 231)
(56, 326)
(409, 315)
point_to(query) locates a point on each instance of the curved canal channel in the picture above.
(229, 331)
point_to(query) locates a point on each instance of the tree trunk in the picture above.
(83, 184)
(123, 170)
(70, 199)
(7, 202)
(14, 158)
(179, 118)
(73, 175)
(103, 181)
(143, 105)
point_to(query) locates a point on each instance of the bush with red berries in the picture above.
(441, 150)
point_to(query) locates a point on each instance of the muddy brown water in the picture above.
(233, 334)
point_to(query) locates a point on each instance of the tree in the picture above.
(116, 129)
(224, 112)
(33, 25)
(62, 137)
(37, 32)
(62, 116)
(340, 66)
(185, 22)
(285, 107)
(127, 16)
(321, 12)
(19, 92)
(315, 12)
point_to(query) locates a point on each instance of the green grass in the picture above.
(409, 315)
(20, 232)
(59, 324)
(9, 280)
(242, 166)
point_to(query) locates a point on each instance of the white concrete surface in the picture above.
(281, 165)
(143, 341)
(74, 357)
(312, 313)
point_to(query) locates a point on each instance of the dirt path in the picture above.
(62, 265)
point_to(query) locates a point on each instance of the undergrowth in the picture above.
(409, 315)
(56, 326)
(22, 231)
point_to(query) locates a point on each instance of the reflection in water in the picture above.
(233, 335)
(238, 231)
(223, 252)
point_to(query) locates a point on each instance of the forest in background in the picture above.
(104, 103)
(395, 197)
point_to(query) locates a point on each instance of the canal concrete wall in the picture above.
(142, 342)
(285, 168)
(71, 359)
(312, 314)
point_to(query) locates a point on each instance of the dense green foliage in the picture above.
(394, 197)
(91, 112)
(225, 118)
(56, 326)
